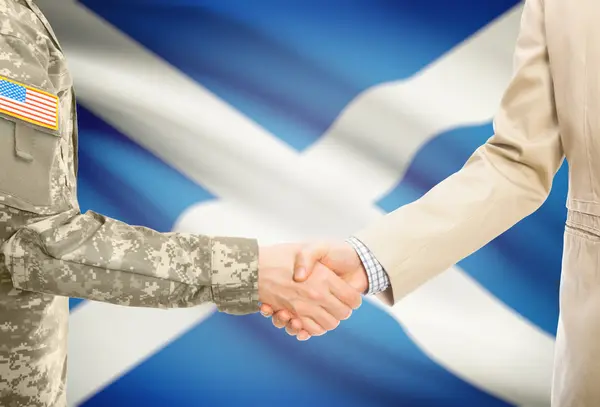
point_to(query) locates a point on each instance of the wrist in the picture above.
(359, 279)
(234, 270)
(362, 279)
(263, 282)
(275, 273)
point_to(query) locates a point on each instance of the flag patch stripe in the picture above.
(28, 104)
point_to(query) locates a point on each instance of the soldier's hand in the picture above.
(338, 256)
(319, 303)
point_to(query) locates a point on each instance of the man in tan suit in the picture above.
(551, 109)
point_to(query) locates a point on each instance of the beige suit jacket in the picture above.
(550, 110)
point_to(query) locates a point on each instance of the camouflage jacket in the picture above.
(51, 251)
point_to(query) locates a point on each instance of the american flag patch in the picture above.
(28, 104)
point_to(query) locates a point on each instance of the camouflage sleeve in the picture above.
(47, 244)
(94, 257)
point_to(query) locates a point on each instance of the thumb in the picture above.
(307, 258)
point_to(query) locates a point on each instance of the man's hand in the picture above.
(337, 256)
(318, 303)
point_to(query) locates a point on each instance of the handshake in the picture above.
(309, 289)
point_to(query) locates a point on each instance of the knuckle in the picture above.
(315, 295)
(296, 324)
(356, 300)
(280, 320)
(299, 307)
(306, 253)
(344, 313)
(319, 332)
(312, 327)
(331, 324)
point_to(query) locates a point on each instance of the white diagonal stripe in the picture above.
(241, 162)
(106, 341)
(393, 120)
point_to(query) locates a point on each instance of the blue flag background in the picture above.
(296, 119)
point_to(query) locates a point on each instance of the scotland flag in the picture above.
(288, 120)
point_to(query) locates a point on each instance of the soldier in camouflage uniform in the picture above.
(51, 251)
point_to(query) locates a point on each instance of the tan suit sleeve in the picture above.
(505, 180)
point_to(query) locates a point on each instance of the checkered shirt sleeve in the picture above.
(376, 275)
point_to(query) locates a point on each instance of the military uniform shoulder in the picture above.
(22, 63)
(18, 21)
(24, 47)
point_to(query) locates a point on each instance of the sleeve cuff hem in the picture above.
(234, 275)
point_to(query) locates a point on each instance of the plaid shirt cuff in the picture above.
(376, 275)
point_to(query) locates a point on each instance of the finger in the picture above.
(290, 331)
(344, 292)
(336, 309)
(277, 324)
(307, 258)
(294, 327)
(312, 328)
(266, 310)
(303, 336)
(320, 316)
(281, 319)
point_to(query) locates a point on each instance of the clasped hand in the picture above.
(309, 289)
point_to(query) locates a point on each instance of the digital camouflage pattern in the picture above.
(51, 251)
